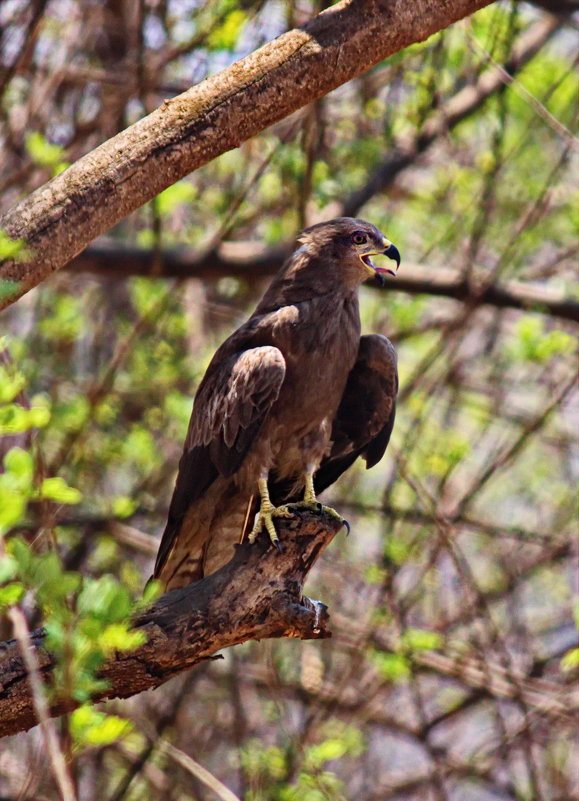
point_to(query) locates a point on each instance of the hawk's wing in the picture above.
(230, 407)
(365, 417)
(364, 420)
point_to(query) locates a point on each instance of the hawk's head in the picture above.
(349, 244)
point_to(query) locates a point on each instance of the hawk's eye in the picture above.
(358, 238)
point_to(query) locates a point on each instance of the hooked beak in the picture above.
(378, 273)
(392, 252)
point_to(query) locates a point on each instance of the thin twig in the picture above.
(48, 728)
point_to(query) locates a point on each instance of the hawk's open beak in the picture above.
(392, 252)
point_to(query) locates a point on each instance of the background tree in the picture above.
(450, 673)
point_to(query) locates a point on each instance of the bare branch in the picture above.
(195, 769)
(258, 594)
(248, 261)
(40, 704)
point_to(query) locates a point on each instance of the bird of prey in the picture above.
(288, 402)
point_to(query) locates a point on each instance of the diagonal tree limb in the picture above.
(60, 219)
(258, 594)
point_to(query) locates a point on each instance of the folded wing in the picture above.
(230, 408)
(364, 420)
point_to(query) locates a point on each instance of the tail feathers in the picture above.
(226, 533)
(189, 570)
(207, 537)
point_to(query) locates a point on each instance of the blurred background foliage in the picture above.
(451, 670)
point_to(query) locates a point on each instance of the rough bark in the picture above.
(60, 219)
(257, 595)
(248, 262)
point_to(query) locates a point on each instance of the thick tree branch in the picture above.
(244, 260)
(60, 219)
(257, 595)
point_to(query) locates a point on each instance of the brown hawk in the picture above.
(288, 402)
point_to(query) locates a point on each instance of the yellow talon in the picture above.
(266, 514)
(267, 511)
(311, 502)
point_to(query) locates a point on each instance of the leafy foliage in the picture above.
(456, 579)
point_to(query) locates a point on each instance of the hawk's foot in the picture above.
(311, 502)
(264, 519)
(316, 506)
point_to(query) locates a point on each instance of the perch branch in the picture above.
(60, 219)
(258, 594)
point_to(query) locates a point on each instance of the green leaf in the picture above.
(139, 445)
(123, 506)
(9, 290)
(57, 489)
(153, 589)
(11, 594)
(226, 35)
(65, 321)
(397, 550)
(324, 752)
(422, 640)
(44, 153)
(144, 294)
(10, 384)
(571, 660)
(8, 568)
(259, 761)
(90, 727)
(53, 584)
(374, 574)
(15, 419)
(38, 416)
(117, 637)
(104, 599)
(182, 193)
(12, 509)
(394, 667)
(533, 343)
(21, 552)
(19, 462)
(11, 249)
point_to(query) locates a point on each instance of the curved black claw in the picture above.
(346, 526)
(278, 545)
(320, 508)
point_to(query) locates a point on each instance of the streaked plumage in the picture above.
(293, 391)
